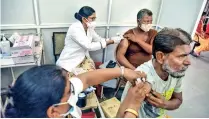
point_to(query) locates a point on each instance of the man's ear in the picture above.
(160, 57)
(138, 22)
(52, 112)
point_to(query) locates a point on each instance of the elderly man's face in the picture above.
(177, 62)
(145, 20)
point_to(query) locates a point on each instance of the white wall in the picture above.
(19, 14)
(62, 11)
(125, 11)
(180, 13)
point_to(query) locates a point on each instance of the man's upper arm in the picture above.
(122, 48)
(178, 87)
(150, 77)
(178, 90)
(177, 96)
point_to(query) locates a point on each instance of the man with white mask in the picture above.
(80, 39)
(136, 48)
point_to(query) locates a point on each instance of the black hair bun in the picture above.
(76, 15)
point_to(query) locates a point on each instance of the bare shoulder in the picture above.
(129, 31)
(124, 43)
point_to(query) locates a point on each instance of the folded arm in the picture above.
(148, 46)
(174, 102)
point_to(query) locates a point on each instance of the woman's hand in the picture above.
(132, 75)
(139, 89)
(109, 42)
(136, 93)
(135, 96)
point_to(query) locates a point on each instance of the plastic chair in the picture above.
(58, 40)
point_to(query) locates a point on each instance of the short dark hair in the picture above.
(35, 91)
(85, 11)
(167, 39)
(204, 13)
(143, 12)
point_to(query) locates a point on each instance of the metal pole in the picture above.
(107, 28)
(38, 28)
(35, 8)
(159, 14)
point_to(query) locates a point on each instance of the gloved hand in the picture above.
(117, 38)
(89, 89)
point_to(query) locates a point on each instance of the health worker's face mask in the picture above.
(76, 88)
(91, 24)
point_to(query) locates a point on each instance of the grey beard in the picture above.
(173, 73)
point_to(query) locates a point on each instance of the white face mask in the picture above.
(91, 25)
(76, 88)
(146, 27)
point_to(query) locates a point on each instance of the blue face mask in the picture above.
(74, 110)
(68, 112)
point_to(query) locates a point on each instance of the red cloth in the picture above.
(207, 31)
(207, 28)
(97, 64)
(199, 27)
(88, 115)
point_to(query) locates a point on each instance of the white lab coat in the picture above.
(78, 45)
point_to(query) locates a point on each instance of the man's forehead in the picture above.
(146, 16)
(182, 49)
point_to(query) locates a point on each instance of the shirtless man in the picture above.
(136, 48)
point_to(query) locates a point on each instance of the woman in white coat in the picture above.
(80, 39)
